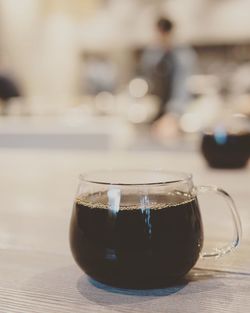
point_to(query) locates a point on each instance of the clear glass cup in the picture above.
(140, 228)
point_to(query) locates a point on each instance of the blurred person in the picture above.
(167, 69)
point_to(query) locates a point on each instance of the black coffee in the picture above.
(146, 246)
(227, 151)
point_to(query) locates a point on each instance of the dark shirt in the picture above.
(167, 73)
(161, 80)
(159, 73)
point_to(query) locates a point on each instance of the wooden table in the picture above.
(37, 272)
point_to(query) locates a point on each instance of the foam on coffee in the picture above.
(156, 201)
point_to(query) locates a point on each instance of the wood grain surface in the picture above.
(37, 271)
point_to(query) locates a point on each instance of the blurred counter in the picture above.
(63, 132)
(85, 132)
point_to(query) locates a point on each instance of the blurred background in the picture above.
(114, 74)
(89, 84)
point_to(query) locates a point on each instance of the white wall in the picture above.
(200, 21)
(41, 50)
(211, 20)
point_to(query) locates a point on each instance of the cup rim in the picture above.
(179, 177)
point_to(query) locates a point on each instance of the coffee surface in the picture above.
(136, 241)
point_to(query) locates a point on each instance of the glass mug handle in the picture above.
(218, 252)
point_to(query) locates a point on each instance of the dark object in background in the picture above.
(225, 150)
(8, 88)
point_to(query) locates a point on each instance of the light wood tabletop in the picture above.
(38, 273)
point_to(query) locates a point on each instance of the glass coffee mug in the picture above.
(141, 229)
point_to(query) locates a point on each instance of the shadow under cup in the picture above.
(134, 229)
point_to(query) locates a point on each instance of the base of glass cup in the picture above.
(140, 286)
